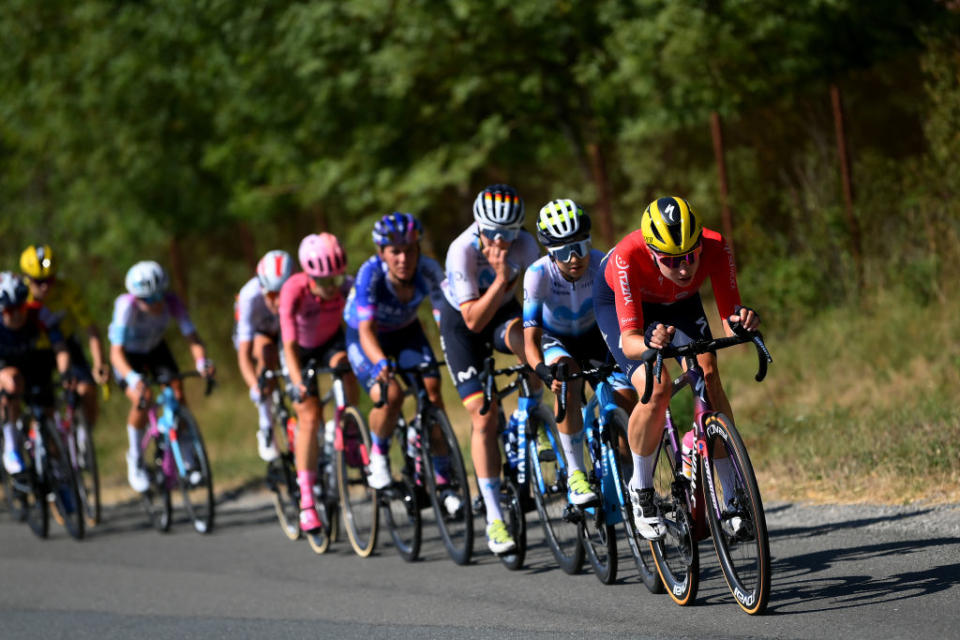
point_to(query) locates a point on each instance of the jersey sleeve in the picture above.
(289, 296)
(122, 310)
(364, 291)
(244, 315)
(179, 312)
(48, 322)
(533, 297)
(462, 274)
(622, 274)
(723, 277)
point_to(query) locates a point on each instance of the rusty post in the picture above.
(853, 225)
(725, 216)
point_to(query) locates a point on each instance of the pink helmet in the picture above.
(321, 255)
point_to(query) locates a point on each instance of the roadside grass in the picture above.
(860, 405)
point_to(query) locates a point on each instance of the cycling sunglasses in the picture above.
(566, 252)
(40, 282)
(674, 262)
(328, 281)
(492, 233)
(152, 299)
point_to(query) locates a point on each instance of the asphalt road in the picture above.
(847, 572)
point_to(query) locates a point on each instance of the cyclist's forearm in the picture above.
(119, 361)
(197, 350)
(633, 344)
(63, 357)
(293, 362)
(245, 364)
(96, 346)
(369, 342)
(478, 313)
(531, 346)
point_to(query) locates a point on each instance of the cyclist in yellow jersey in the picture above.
(62, 298)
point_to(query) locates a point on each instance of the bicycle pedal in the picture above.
(547, 455)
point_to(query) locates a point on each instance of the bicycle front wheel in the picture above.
(88, 475)
(549, 482)
(676, 554)
(156, 499)
(282, 482)
(737, 522)
(623, 471)
(515, 519)
(196, 478)
(449, 495)
(62, 482)
(357, 500)
(30, 493)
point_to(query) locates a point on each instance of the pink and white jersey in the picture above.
(306, 319)
(139, 331)
(251, 314)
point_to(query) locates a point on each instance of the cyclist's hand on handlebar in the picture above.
(206, 368)
(658, 336)
(101, 374)
(745, 317)
(383, 370)
(547, 373)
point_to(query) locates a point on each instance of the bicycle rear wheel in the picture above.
(88, 475)
(357, 500)
(30, 490)
(623, 471)
(549, 483)
(321, 538)
(515, 519)
(196, 481)
(61, 481)
(11, 494)
(676, 554)
(737, 523)
(156, 499)
(401, 512)
(451, 500)
(282, 481)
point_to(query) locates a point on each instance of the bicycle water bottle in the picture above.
(291, 432)
(329, 432)
(510, 442)
(686, 454)
(413, 450)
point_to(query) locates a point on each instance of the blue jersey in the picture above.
(374, 298)
(555, 304)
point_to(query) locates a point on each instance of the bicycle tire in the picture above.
(676, 555)
(744, 554)
(358, 500)
(639, 549)
(401, 512)
(515, 519)
(88, 473)
(282, 482)
(320, 539)
(549, 484)
(456, 529)
(196, 482)
(61, 481)
(32, 494)
(156, 499)
(15, 504)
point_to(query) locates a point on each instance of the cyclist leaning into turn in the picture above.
(137, 346)
(255, 336)
(39, 266)
(311, 306)
(559, 325)
(383, 329)
(485, 265)
(22, 370)
(647, 296)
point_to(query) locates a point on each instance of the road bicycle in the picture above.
(47, 477)
(174, 456)
(605, 433)
(78, 436)
(425, 439)
(691, 497)
(281, 477)
(514, 433)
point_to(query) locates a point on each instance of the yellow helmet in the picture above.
(37, 262)
(670, 226)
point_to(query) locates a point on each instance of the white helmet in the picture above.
(273, 270)
(498, 206)
(562, 221)
(146, 279)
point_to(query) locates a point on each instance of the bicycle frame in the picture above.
(603, 448)
(164, 427)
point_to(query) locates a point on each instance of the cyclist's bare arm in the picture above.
(293, 365)
(478, 313)
(245, 363)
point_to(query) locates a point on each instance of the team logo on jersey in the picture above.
(620, 262)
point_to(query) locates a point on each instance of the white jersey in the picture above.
(139, 331)
(555, 304)
(251, 315)
(469, 274)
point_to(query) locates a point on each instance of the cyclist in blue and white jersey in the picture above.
(559, 325)
(137, 346)
(256, 335)
(485, 266)
(383, 329)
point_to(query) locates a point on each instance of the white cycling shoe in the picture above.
(265, 447)
(646, 519)
(379, 475)
(136, 474)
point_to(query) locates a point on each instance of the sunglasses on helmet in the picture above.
(328, 281)
(565, 253)
(492, 233)
(674, 262)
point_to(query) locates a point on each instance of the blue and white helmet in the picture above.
(396, 228)
(146, 279)
(13, 290)
(273, 270)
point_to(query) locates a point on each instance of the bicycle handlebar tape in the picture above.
(561, 375)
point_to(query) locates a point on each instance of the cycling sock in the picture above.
(9, 437)
(441, 469)
(380, 445)
(726, 477)
(572, 444)
(265, 412)
(490, 490)
(306, 480)
(642, 471)
(133, 436)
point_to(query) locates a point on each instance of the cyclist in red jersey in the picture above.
(647, 296)
(311, 310)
